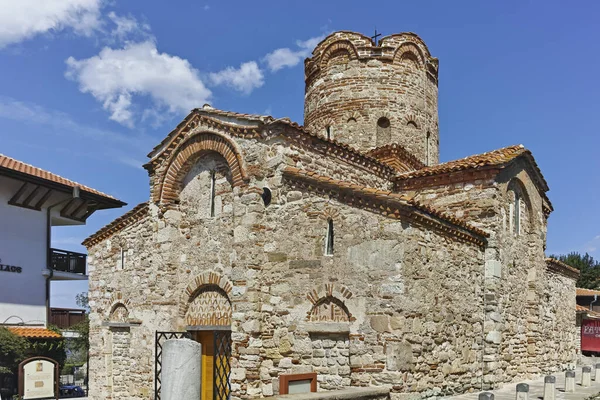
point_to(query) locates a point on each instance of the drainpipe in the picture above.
(75, 194)
(595, 300)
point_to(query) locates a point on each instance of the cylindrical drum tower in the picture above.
(369, 96)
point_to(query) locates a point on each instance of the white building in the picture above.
(32, 201)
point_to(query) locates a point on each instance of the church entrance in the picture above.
(216, 353)
(208, 320)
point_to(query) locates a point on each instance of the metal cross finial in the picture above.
(374, 37)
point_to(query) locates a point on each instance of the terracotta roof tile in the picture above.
(587, 292)
(384, 195)
(495, 157)
(34, 333)
(10, 164)
(586, 310)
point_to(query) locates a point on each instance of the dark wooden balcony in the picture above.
(67, 261)
(64, 318)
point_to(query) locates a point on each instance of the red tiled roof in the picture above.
(384, 195)
(34, 333)
(496, 157)
(8, 164)
(587, 292)
(560, 267)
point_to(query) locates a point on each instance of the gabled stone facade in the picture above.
(369, 269)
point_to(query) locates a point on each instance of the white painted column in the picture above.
(570, 381)
(181, 370)
(486, 396)
(549, 387)
(522, 391)
(597, 377)
(586, 376)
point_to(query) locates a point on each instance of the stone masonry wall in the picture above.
(519, 289)
(398, 290)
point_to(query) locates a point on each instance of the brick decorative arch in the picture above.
(335, 47)
(208, 278)
(187, 154)
(117, 300)
(410, 50)
(332, 298)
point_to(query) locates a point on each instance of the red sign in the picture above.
(590, 335)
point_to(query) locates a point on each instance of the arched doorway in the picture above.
(208, 319)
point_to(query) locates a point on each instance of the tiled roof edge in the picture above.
(558, 266)
(133, 215)
(459, 228)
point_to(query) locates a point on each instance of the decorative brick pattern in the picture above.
(187, 154)
(398, 78)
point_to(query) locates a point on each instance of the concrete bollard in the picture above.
(181, 374)
(549, 387)
(597, 377)
(586, 376)
(570, 381)
(486, 396)
(522, 391)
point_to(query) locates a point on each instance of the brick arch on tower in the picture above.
(212, 292)
(409, 51)
(335, 48)
(184, 157)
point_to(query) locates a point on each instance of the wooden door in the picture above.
(206, 339)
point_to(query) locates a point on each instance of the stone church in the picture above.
(341, 247)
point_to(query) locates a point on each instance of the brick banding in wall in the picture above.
(187, 154)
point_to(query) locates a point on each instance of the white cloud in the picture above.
(245, 79)
(206, 7)
(286, 57)
(24, 19)
(126, 27)
(115, 76)
(114, 145)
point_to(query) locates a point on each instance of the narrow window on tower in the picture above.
(428, 141)
(329, 238)
(517, 213)
(212, 193)
(328, 130)
(384, 133)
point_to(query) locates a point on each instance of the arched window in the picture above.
(384, 132)
(329, 238)
(427, 145)
(517, 213)
(266, 196)
(329, 131)
(519, 208)
(213, 180)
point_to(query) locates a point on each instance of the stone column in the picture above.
(522, 391)
(586, 376)
(597, 375)
(181, 374)
(486, 396)
(570, 381)
(549, 387)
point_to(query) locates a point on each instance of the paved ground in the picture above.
(536, 389)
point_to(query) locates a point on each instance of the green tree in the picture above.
(13, 350)
(589, 268)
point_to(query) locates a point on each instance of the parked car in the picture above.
(67, 391)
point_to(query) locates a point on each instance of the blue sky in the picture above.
(88, 87)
